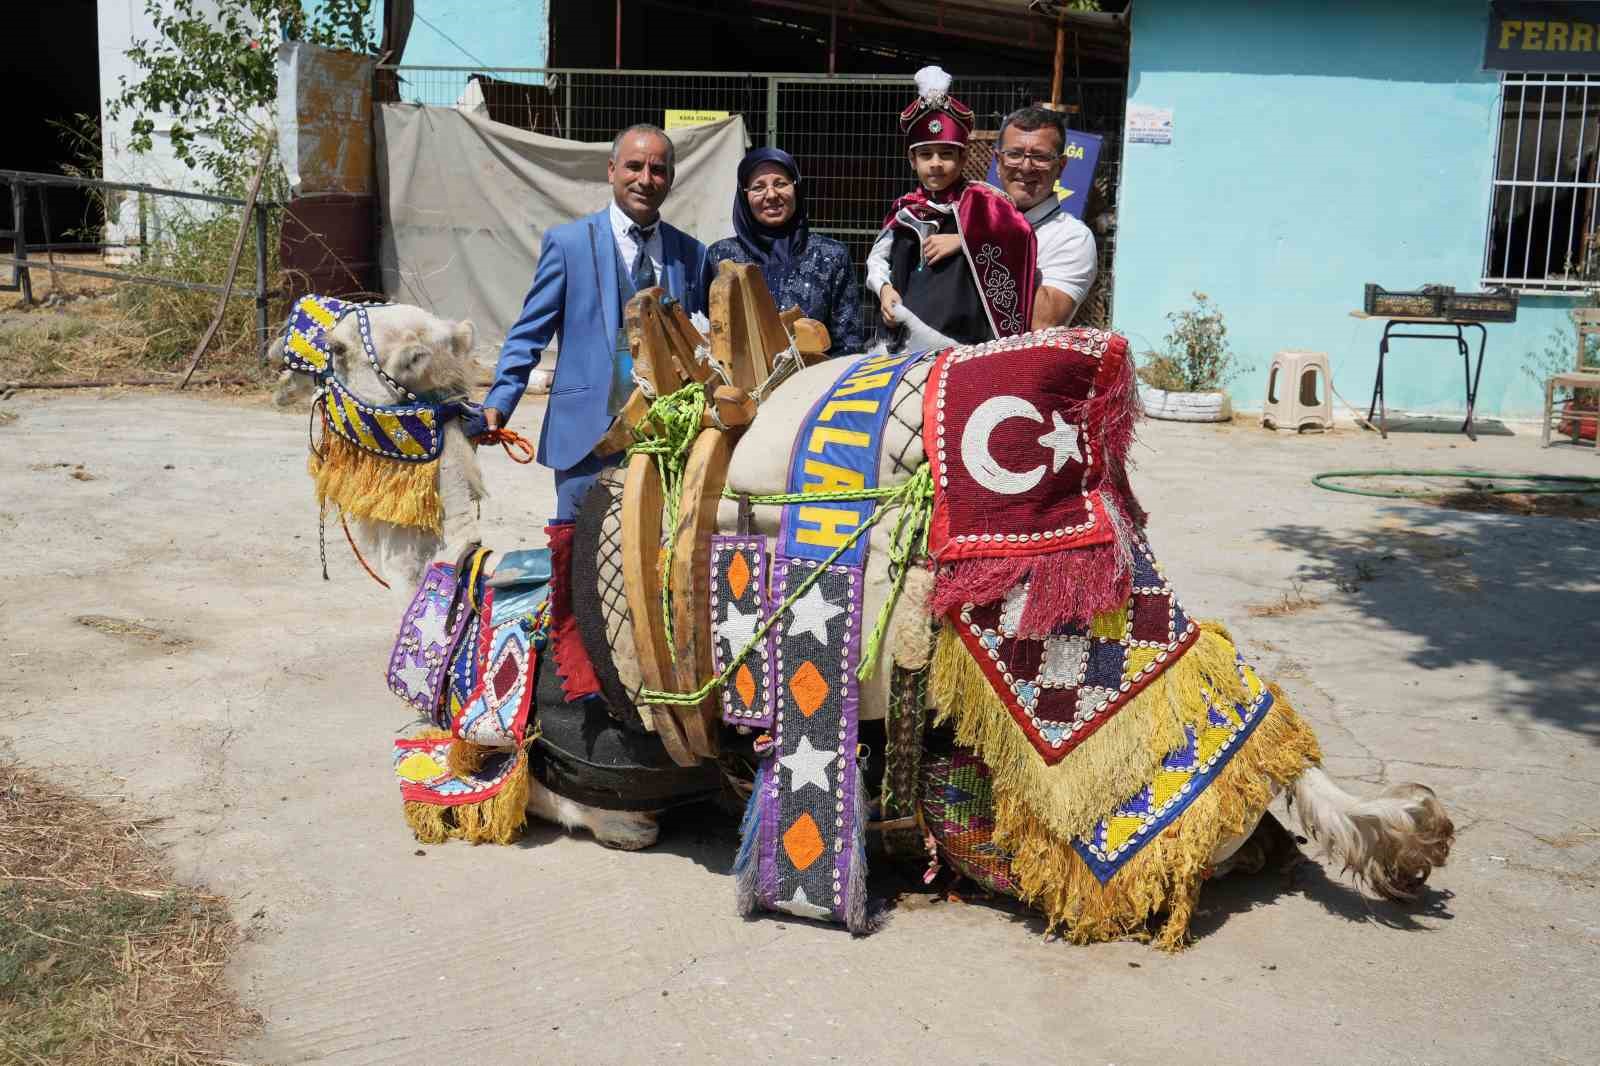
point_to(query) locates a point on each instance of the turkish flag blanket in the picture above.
(1123, 740)
(1028, 439)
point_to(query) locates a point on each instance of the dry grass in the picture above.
(104, 959)
(1292, 602)
(1540, 504)
(82, 328)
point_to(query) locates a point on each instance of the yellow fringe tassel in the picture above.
(1120, 758)
(369, 486)
(497, 820)
(1166, 874)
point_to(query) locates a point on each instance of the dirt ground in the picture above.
(171, 644)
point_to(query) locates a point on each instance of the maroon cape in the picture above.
(998, 243)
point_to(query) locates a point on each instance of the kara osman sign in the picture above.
(1546, 37)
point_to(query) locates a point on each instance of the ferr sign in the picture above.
(1545, 37)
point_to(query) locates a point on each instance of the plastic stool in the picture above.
(1306, 401)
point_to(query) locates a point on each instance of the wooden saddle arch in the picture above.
(751, 348)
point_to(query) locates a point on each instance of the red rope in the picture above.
(359, 558)
(512, 442)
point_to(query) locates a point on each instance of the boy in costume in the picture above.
(955, 262)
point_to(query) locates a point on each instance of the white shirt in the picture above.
(628, 247)
(1067, 260)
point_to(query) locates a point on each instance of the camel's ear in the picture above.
(461, 338)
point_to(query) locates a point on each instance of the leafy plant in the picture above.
(1195, 355)
(211, 70)
(1558, 356)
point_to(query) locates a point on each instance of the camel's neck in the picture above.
(460, 489)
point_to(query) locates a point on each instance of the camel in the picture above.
(1389, 842)
(429, 355)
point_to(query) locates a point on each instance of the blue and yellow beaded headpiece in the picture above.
(409, 432)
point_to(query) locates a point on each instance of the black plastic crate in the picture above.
(1481, 306)
(1422, 304)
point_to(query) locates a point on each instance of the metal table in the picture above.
(1457, 334)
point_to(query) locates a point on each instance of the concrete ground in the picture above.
(1453, 648)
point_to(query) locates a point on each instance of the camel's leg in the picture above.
(624, 830)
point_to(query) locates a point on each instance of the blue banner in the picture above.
(837, 451)
(1077, 171)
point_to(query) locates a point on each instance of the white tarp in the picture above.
(466, 202)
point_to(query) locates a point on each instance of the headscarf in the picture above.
(770, 245)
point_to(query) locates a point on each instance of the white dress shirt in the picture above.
(1067, 260)
(628, 247)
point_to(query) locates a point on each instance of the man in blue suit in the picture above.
(587, 272)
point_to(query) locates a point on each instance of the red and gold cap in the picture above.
(935, 117)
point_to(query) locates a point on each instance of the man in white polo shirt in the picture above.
(1028, 158)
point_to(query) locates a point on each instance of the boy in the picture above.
(955, 262)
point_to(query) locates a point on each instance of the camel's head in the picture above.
(424, 353)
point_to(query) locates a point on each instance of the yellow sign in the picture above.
(677, 119)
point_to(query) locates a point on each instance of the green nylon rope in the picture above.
(676, 418)
(915, 498)
(1542, 483)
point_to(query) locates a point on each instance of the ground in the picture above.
(245, 708)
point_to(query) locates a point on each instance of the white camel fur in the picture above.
(430, 356)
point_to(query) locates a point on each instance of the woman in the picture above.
(801, 268)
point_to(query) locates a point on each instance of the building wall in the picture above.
(486, 33)
(1317, 147)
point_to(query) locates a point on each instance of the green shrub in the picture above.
(1195, 355)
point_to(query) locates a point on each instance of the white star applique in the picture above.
(812, 613)
(737, 628)
(414, 676)
(802, 907)
(1063, 441)
(808, 766)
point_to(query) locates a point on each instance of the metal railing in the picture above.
(1542, 231)
(842, 128)
(24, 257)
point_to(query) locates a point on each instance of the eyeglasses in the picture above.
(778, 185)
(1015, 156)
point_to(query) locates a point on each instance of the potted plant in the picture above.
(1184, 382)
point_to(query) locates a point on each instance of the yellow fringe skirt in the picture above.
(1039, 809)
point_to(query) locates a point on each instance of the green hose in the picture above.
(1570, 484)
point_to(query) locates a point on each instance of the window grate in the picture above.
(1541, 232)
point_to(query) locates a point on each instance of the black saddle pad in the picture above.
(584, 753)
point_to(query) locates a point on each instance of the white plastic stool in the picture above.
(1295, 397)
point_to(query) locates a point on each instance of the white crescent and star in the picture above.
(1061, 439)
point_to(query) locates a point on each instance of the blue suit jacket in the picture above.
(574, 259)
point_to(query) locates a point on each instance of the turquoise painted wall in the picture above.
(495, 33)
(474, 33)
(1317, 147)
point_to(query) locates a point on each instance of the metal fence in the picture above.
(842, 128)
(27, 257)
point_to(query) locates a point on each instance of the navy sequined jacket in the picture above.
(821, 281)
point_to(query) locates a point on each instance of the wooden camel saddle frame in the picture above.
(751, 348)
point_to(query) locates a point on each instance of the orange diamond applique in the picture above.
(738, 577)
(744, 683)
(802, 841)
(809, 688)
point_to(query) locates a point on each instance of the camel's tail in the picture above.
(1391, 841)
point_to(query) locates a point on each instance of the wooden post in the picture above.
(1061, 57)
(833, 34)
(619, 34)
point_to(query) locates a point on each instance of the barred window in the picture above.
(1542, 227)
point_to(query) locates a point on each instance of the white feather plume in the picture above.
(933, 84)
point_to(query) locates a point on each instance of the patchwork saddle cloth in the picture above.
(1104, 741)
(466, 659)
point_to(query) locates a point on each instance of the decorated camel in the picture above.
(908, 592)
